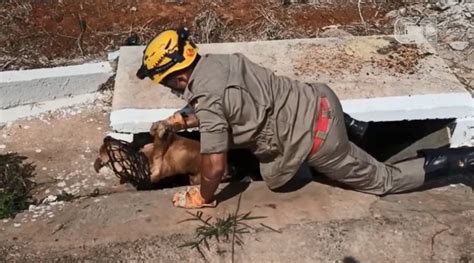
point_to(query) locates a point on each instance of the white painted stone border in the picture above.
(463, 134)
(15, 113)
(418, 107)
(21, 87)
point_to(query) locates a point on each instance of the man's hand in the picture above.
(191, 198)
(212, 169)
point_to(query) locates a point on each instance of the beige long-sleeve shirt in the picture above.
(242, 105)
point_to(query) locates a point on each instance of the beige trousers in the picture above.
(343, 161)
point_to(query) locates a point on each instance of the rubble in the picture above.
(50, 199)
(455, 32)
(459, 45)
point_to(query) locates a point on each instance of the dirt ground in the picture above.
(46, 33)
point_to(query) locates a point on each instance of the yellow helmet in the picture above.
(168, 52)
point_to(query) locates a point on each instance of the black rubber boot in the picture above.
(447, 162)
(355, 129)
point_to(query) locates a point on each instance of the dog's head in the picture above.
(128, 165)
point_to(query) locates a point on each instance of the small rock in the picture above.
(50, 198)
(111, 56)
(133, 9)
(459, 45)
(96, 200)
(26, 127)
(38, 150)
(4, 136)
(32, 208)
(44, 168)
(61, 184)
(5, 220)
(402, 11)
(47, 191)
(391, 14)
(2, 146)
(16, 224)
(95, 193)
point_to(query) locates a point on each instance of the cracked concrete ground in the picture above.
(318, 222)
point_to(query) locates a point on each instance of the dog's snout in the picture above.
(98, 164)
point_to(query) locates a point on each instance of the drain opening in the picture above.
(385, 141)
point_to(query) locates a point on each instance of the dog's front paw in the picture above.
(160, 128)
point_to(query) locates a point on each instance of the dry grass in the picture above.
(208, 27)
(15, 184)
(227, 229)
(14, 10)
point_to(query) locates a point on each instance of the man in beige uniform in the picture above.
(285, 122)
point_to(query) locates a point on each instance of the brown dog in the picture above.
(173, 155)
(169, 155)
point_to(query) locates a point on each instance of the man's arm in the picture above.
(214, 133)
(212, 169)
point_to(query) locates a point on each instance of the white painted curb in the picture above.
(15, 113)
(21, 87)
(395, 108)
(416, 107)
(463, 134)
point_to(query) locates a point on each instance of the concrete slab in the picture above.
(317, 223)
(376, 78)
(23, 87)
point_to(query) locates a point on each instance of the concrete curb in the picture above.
(23, 87)
(395, 108)
(15, 113)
